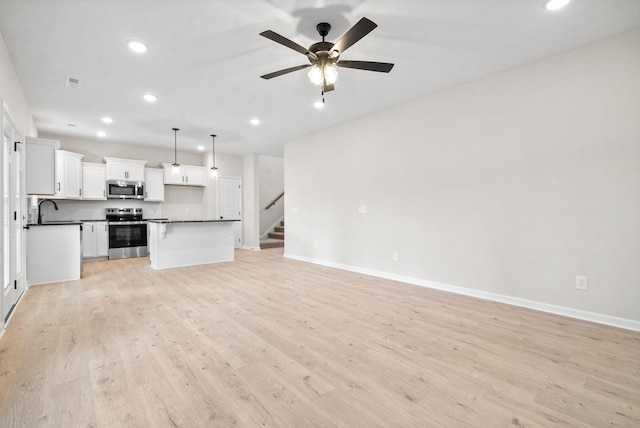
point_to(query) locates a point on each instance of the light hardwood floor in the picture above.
(270, 342)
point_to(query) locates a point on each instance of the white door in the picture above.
(230, 204)
(14, 209)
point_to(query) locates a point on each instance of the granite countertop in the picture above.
(57, 223)
(188, 221)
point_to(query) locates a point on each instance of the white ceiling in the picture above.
(205, 58)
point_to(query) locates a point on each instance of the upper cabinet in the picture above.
(68, 175)
(125, 169)
(94, 181)
(41, 166)
(188, 175)
(154, 185)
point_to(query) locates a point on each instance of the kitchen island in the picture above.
(176, 243)
(54, 251)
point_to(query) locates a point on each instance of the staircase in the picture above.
(275, 239)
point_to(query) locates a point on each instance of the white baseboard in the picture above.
(251, 247)
(501, 298)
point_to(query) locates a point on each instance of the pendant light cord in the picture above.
(175, 147)
(213, 146)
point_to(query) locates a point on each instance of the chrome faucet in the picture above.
(40, 203)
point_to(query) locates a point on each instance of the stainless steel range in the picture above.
(127, 233)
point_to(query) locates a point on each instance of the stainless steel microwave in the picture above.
(119, 189)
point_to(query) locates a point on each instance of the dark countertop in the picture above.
(189, 221)
(57, 223)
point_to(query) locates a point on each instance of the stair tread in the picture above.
(271, 243)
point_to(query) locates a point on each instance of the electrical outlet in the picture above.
(581, 282)
(395, 257)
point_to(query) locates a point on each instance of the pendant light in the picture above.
(214, 170)
(175, 164)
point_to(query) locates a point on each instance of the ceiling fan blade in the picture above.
(383, 67)
(288, 43)
(285, 71)
(355, 33)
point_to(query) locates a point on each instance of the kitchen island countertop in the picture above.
(165, 221)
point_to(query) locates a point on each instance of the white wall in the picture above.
(271, 182)
(513, 184)
(250, 200)
(12, 94)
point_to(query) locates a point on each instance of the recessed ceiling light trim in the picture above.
(101, 134)
(107, 119)
(137, 46)
(555, 4)
(255, 121)
(150, 98)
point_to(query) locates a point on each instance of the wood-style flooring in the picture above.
(269, 342)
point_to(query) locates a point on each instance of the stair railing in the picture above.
(274, 201)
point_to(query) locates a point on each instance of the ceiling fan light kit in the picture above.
(324, 57)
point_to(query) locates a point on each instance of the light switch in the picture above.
(362, 209)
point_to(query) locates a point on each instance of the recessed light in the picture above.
(136, 46)
(201, 148)
(319, 104)
(101, 134)
(255, 121)
(555, 4)
(150, 98)
(107, 119)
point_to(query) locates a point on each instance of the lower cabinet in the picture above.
(95, 239)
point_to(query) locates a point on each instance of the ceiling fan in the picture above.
(325, 56)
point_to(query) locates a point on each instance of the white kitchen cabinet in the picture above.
(94, 185)
(195, 175)
(41, 166)
(125, 169)
(189, 175)
(68, 175)
(154, 185)
(95, 239)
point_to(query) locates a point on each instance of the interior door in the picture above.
(14, 215)
(230, 204)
